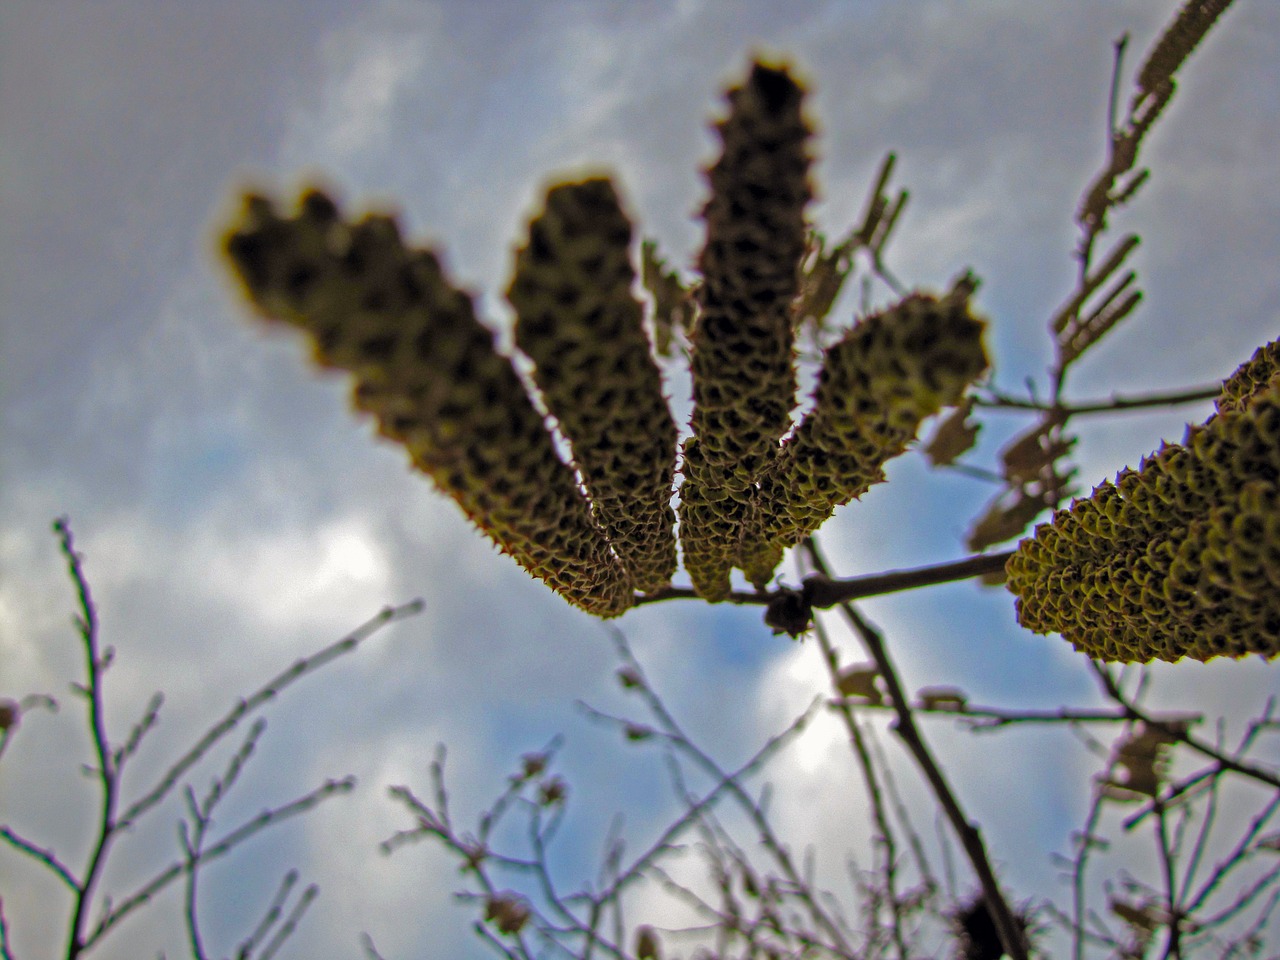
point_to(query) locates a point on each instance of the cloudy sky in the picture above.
(236, 516)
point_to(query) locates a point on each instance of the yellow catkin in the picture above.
(877, 384)
(427, 370)
(1250, 378)
(742, 351)
(1179, 558)
(579, 322)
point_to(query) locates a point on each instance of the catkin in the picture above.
(427, 370)
(742, 351)
(1250, 378)
(1179, 558)
(885, 376)
(578, 320)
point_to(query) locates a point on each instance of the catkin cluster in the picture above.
(579, 322)
(428, 372)
(600, 528)
(1180, 558)
(743, 360)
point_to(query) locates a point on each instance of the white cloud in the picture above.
(299, 578)
(370, 72)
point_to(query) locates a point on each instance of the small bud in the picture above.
(532, 764)
(553, 791)
(507, 911)
(647, 944)
(636, 732)
(789, 612)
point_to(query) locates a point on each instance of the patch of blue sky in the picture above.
(192, 469)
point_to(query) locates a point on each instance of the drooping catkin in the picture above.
(1179, 558)
(580, 323)
(742, 351)
(885, 376)
(427, 370)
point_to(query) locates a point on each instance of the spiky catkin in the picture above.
(743, 356)
(877, 384)
(1250, 378)
(427, 370)
(579, 322)
(1179, 558)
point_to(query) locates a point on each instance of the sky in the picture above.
(235, 515)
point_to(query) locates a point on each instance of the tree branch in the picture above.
(968, 833)
(95, 663)
(822, 591)
(1000, 401)
(1181, 736)
(263, 696)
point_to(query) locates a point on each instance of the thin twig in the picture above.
(261, 698)
(1244, 899)
(147, 891)
(1087, 840)
(274, 909)
(192, 835)
(843, 707)
(1181, 736)
(1202, 840)
(46, 857)
(980, 719)
(95, 663)
(370, 950)
(899, 805)
(1236, 856)
(290, 922)
(822, 591)
(998, 401)
(767, 836)
(5, 952)
(1173, 945)
(968, 832)
(191, 840)
(150, 717)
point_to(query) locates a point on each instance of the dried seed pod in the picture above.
(427, 370)
(877, 384)
(743, 356)
(579, 322)
(1180, 558)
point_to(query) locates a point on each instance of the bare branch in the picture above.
(997, 402)
(967, 831)
(267, 693)
(822, 591)
(144, 894)
(1227, 763)
(830, 660)
(5, 952)
(46, 857)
